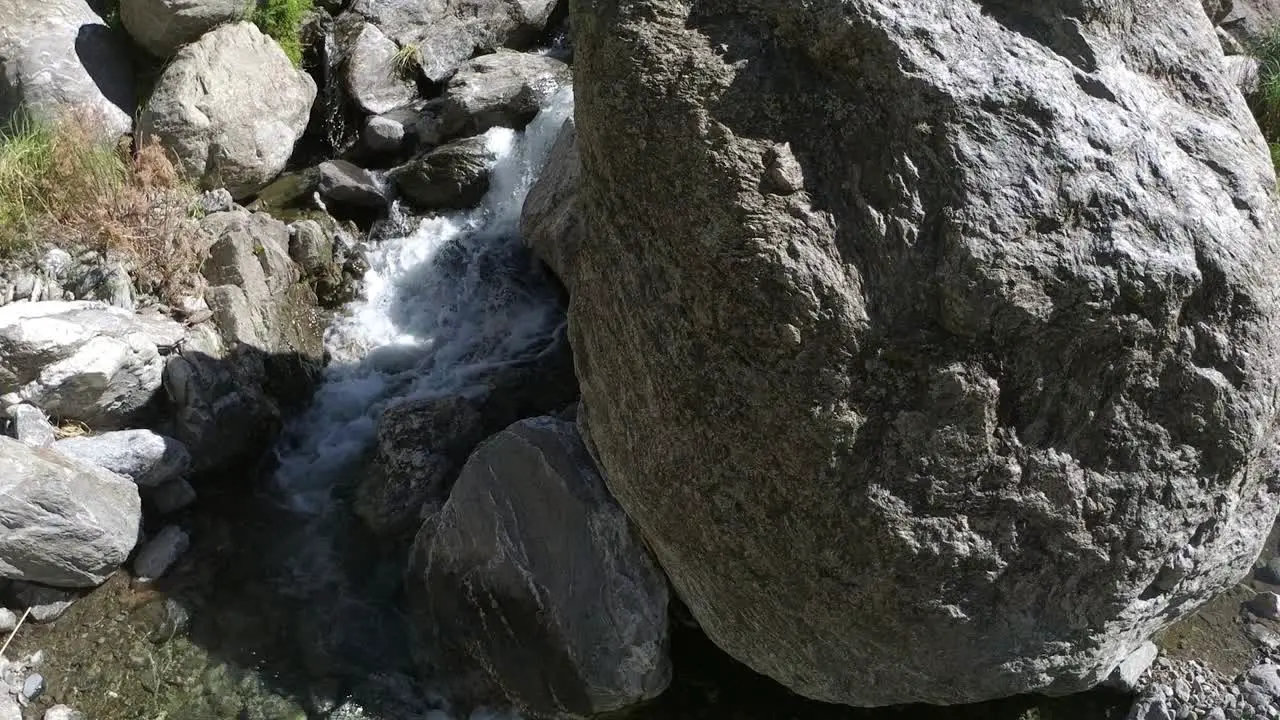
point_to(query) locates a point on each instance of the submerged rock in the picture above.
(230, 106)
(935, 277)
(533, 579)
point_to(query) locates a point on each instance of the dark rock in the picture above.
(293, 189)
(551, 221)
(163, 26)
(343, 183)
(533, 582)
(452, 176)
(984, 330)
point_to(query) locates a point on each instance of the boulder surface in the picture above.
(932, 346)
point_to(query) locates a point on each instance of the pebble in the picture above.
(33, 686)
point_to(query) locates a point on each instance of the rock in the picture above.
(1263, 681)
(1151, 706)
(922, 339)
(8, 620)
(59, 58)
(311, 247)
(375, 78)
(29, 426)
(172, 496)
(163, 26)
(82, 360)
(147, 458)
(1250, 21)
(421, 446)
(505, 89)
(33, 686)
(9, 707)
(551, 221)
(64, 523)
(534, 577)
(290, 190)
(343, 183)
(1130, 670)
(43, 604)
(1243, 72)
(382, 134)
(63, 712)
(161, 552)
(452, 176)
(217, 200)
(447, 32)
(230, 106)
(1265, 605)
(1270, 572)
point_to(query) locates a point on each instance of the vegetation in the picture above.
(407, 60)
(59, 183)
(282, 20)
(1266, 102)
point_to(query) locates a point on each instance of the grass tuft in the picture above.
(61, 184)
(1265, 103)
(282, 20)
(407, 60)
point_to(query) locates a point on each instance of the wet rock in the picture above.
(62, 523)
(344, 183)
(230, 106)
(375, 78)
(29, 426)
(160, 553)
(171, 496)
(290, 190)
(145, 457)
(58, 57)
(163, 26)
(450, 31)
(82, 360)
(452, 176)
(551, 221)
(505, 89)
(534, 577)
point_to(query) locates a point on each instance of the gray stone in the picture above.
(1151, 705)
(311, 247)
(1126, 675)
(1265, 605)
(33, 686)
(160, 553)
(375, 79)
(172, 496)
(145, 457)
(533, 579)
(8, 620)
(217, 200)
(1263, 681)
(987, 400)
(382, 134)
(452, 176)
(63, 523)
(81, 360)
(63, 712)
(163, 26)
(9, 707)
(344, 183)
(59, 58)
(1250, 21)
(505, 89)
(43, 604)
(230, 106)
(29, 426)
(551, 221)
(1244, 72)
(447, 32)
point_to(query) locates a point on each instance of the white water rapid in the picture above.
(441, 306)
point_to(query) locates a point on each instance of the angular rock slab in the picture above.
(62, 523)
(82, 360)
(145, 457)
(230, 106)
(932, 346)
(533, 576)
(58, 57)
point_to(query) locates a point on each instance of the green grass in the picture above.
(1266, 102)
(44, 173)
(282, 20)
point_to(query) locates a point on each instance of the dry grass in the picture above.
(60, 184)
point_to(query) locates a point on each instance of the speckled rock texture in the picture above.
(931, 346)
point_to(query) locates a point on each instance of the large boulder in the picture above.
(82, 360)
(145, 457)
(932, 346)
(447, 32)
(1248, 21)
(534, 575)
(59, 58)
(504, 89)
(163, 26)
(230, 107)
(62, 523)
(450, 177)
(551, 218)
(376, 78)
